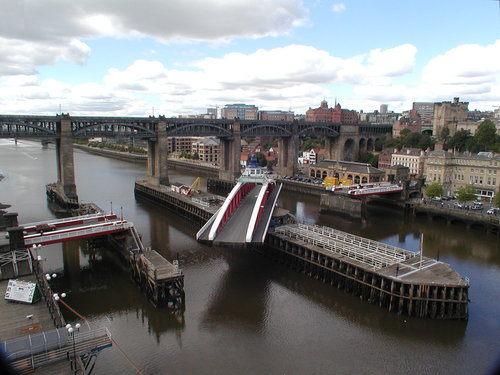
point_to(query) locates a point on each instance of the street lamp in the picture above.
(71, 331)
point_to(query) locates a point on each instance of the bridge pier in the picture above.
(157, 156)
(65, 163)
(332, 151)
(288, 153)
(230, 168)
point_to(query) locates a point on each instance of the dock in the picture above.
(162, 281)
(396, 279)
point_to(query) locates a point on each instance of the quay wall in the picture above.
(336, 203)
(173, 202)
(422, 300)
(302, 187)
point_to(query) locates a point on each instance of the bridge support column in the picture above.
(332, 148)
(65, 163)
(157, 156)
(288, 153)
(230, 152)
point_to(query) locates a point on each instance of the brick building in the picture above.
(241, 111)
(207, 149)
(336, 114)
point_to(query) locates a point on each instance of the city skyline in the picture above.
(178, 58)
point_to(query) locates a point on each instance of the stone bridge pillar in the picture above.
(288, 149)
(157, 156)
(230, 152)
(347, 144)
(332, 148)
(64, 154)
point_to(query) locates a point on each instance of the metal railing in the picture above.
(96, 229)
(374, 254)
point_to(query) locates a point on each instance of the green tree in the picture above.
(261, 159)
(369, 158)
(269, 142)
(434, 190)
(466, 193)
(496, 200)
(444, 134)
(311, 142)
(486, 134)
(379, 143)
(459, 141)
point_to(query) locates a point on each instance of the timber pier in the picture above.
(396, 279)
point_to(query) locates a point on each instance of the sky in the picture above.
(180, 57)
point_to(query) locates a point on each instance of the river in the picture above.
(245, 314)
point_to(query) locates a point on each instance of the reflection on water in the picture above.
(244, 313)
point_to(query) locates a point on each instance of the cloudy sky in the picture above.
(172, 57)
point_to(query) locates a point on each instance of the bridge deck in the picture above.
(236, 228)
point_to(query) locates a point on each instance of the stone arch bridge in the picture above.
(343, 142)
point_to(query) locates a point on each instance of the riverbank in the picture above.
(113, 154)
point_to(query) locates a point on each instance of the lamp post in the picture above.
(71, 331)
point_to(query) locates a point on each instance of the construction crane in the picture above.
(195, 187)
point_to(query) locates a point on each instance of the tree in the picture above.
(444, 134)
(496, 200)
(261, 159)
(466, 193)
(434, 190)
(459, 141)
(486, 134)
(369, 158)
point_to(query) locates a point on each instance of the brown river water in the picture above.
(245, 314)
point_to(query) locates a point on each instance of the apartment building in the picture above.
(180, 144)
(241, 111)
(453, 171)
(207, 149)
(413, 158)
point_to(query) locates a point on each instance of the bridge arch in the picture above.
(318, 130)
(265, 130)
(129, 129)
(199, 130)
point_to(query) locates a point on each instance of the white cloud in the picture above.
(338, 7)
(295, 76)
(53, 29)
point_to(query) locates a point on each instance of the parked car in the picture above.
(436, 198)
(458, 204)
(493, 211)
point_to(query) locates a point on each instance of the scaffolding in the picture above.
(373, 254)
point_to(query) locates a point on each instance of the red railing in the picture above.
(269, 189)
(233, 205)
